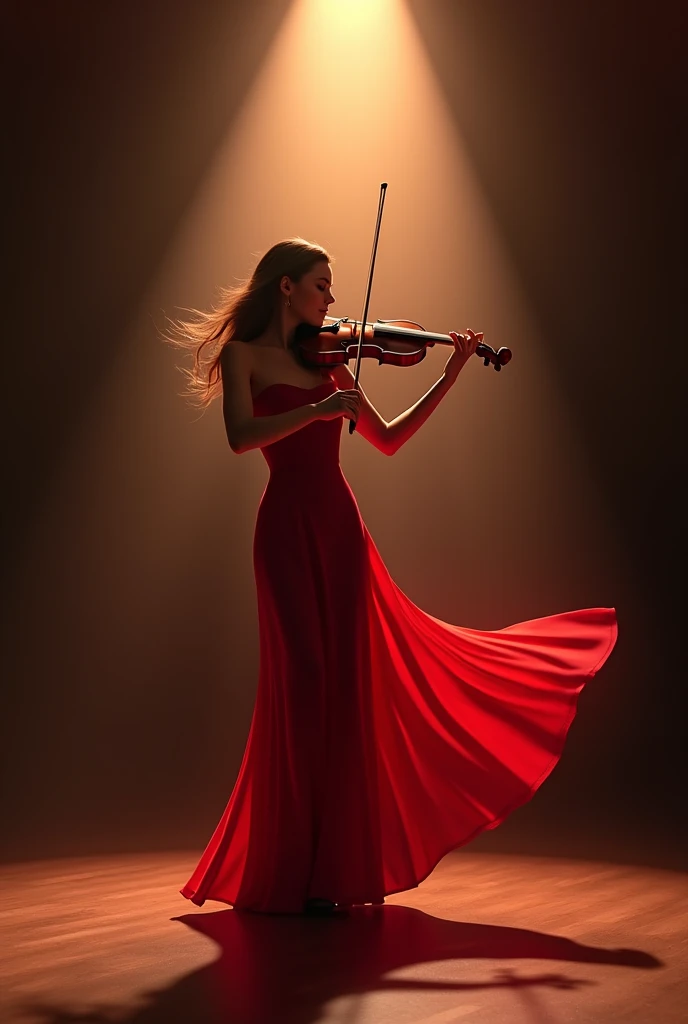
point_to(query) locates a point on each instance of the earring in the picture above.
(288, 302)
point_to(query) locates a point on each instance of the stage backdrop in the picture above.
(535, 192)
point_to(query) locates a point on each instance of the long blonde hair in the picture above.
(243, 312)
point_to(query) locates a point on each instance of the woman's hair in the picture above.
(244, 312)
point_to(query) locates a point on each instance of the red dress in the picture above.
(382, 737)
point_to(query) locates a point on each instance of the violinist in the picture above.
(251, 366)
(381, 736)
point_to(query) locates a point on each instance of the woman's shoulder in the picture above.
(236, 357)
(236, 349)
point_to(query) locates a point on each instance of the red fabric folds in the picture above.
(382, 737)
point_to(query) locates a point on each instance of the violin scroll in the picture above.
(498, 358)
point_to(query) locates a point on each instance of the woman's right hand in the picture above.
(340, 403)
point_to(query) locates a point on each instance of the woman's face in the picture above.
(311, 296)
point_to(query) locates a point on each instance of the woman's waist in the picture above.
(304, 470)
(301, 481)
(290, 502)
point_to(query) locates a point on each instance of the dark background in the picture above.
(587, 102)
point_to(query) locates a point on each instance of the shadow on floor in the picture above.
(286, 968)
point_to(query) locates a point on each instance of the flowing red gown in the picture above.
(381, 737)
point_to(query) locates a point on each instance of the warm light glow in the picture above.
(361, 10)
(346, 97)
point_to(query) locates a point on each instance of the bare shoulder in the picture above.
(235, 354)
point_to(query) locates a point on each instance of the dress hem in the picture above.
(191, 894)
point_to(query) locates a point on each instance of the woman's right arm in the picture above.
(244, 430)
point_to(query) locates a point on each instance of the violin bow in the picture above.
(361, 333)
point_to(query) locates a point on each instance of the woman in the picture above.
(382, 737)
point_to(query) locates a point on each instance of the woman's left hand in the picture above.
(464, 347)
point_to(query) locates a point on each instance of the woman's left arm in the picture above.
(407, 423)
(389, 437)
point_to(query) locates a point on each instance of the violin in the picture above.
(397, 342)
(400, 342)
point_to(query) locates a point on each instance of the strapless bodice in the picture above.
(315, 446)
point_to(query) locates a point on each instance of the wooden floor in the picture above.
(491, 938)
